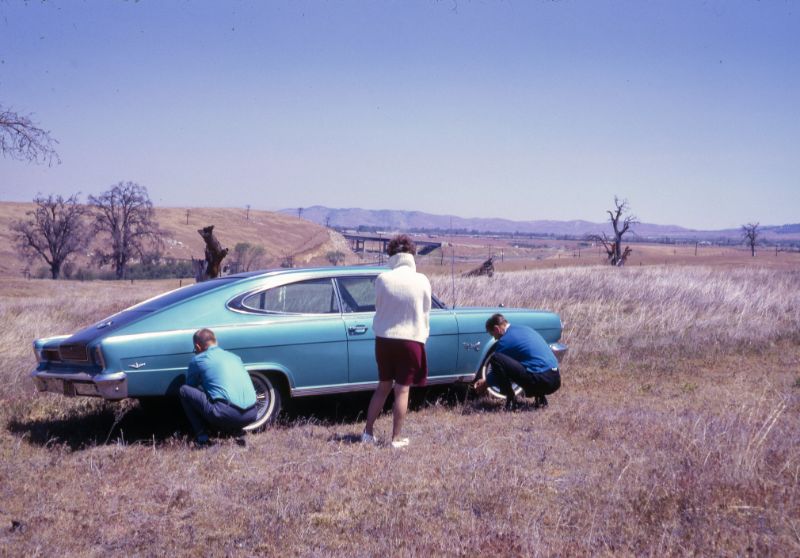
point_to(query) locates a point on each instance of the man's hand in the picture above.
(480, 387)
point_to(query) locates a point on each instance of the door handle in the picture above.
(357, 330)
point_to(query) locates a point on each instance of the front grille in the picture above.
(51, 355)
(74, 352)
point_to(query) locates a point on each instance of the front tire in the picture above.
(493, 391)
(268, 400)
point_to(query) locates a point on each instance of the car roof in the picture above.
(329, 270)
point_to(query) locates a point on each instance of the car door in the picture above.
(358, 310)
(297, 328)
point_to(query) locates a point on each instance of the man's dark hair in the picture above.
(401, 243)
(495, 320)
(204, 337)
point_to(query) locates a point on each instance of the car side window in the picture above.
(358, 293)
(316, 296)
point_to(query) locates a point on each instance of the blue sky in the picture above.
(523, 110)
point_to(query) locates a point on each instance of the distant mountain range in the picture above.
(395, 220)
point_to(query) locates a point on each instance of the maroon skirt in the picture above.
(401, 360)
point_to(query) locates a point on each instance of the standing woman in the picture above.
(401, 325)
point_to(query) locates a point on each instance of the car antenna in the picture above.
(452, 262)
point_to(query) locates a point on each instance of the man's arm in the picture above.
(193, 375)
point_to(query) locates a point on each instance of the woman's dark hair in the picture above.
(401, 243)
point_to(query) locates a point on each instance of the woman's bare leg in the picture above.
(376, 404)
(399, 409)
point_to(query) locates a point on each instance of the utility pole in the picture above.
(187, 216)
(247, 215)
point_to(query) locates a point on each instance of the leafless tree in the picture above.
(125, 213)
(621, 220)
(750, 234)
(23, 140)
(54, 231)
(247, 257)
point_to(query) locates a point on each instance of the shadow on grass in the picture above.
(161, 421)
(152, 422)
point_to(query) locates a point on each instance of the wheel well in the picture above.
(278, 379)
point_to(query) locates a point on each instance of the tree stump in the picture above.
(214, 254)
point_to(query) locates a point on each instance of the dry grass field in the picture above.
(676, 432)
(466, 253)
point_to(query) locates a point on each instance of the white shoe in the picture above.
(401, 443)
(368, 439)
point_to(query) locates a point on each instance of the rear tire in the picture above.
(269, 400)
(492, 391)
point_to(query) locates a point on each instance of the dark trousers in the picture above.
(220, 415)
(506, 370)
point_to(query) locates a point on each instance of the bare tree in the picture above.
(54, 231)
(247, 256)
(23, 140)
(125, 213)
(750, 234)
(621, 221)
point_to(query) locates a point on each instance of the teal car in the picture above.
(300, 332)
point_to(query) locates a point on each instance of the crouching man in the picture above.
(524, 357)
(218, 392)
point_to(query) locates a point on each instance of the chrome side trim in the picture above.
(368, 386)
(113, 385)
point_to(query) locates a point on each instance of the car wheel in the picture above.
(492, 390)
(268, 400)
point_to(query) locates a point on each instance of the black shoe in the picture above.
(541, 401)
(202, 441)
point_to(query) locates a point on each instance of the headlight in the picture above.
(98, 357)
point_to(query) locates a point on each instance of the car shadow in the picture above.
(161, 421)
(111, 423)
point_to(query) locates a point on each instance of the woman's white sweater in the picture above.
(402, 301)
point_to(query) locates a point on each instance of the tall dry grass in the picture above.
(677, 432)
(636, 312)
(41, 308)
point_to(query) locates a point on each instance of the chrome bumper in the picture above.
(108, 386)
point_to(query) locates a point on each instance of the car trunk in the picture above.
(74, 350)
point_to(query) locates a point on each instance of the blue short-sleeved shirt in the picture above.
(222, 376)
(527, 347)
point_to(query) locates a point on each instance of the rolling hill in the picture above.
(395, 220)
(280, 235)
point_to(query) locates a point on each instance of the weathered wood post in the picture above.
(214, 254)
